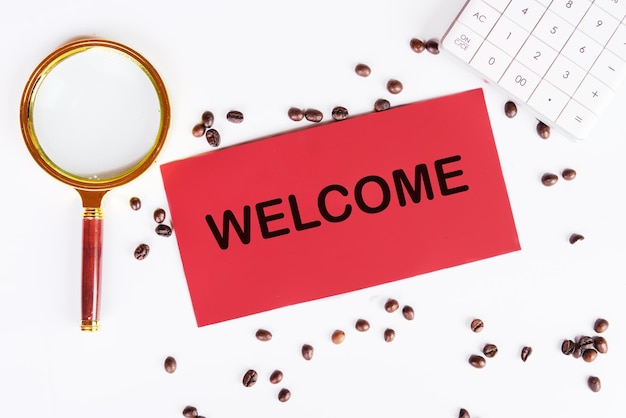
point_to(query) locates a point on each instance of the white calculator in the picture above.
(563, 58)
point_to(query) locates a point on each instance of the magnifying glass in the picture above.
(94, 115)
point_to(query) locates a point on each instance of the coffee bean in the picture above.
(389, 335)
(170, 364)
(569, 174)
(381, 104)
(477, 325)
(313, 115)
(585, 342)
(578, 352)
(408, 313)
(417, 45)
(594, 383)
(490, 350)
(142, 251)
(284, 395)
(568, 347)
(135, 203)
(362, 325)
(601, 325)
(234, 116)
(159, 215)
(463, 413)
(394, 86)
(432, 46)
(207, 118)
(590, 355)
(250, 378)
(338, 336)
(339, 113)
(543, 130)
(477, 361)
(190, 412)
(363, 70)
(198, 130)
(391, 305)
(510, 109)
(574, 238)
(600, 344)
(549, 179)
(307, 351)
(526, 352)
(296, 114)
(163, 230)
(263, 335)
(213, 137)
(276, 377)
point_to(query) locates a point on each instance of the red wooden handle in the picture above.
(92, 266)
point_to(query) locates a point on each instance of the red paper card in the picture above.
(339, 207)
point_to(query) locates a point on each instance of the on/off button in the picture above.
(462, 41)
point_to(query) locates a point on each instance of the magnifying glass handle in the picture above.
(92, 266)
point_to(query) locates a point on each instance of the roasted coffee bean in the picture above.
(250, 378)
(578, 352)
(543, 130)
(408, 312)
(463, 413)
(190, 412)
(477, 361)
(568, 347)
(417, 45)
(381, 104)
(391, 305)
(307, 351)
(142, 251)
(198, 130)
(363, 70)
(549, 179)
(590, 355)
(568, 174)
(432, 46)
(490, 350)
(234, 116)
(263, 335)
(163, 230)
(574, 238)
(362, 325)
(276, 377)
(338, 336)
(477, 325)
(135, 203)
(339, 113)
(510, 109)
(600, 325)
(213, 137)
(394, 86)
(389, 335)
(600, 344)
(295, 113)
(159, 215)
(526, 352)
(594, 383)
(313, 115)
(207, 118)
(585, 342)
(284, 395)
(170, 364)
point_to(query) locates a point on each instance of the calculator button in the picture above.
(617, 44)
(617, 9)
(519, 80)
(548, 100)
(576, 119)
(565, 74)
(491, 61)
(598, 24)
(582, 50)
(508, 36)
(499, 5)
(536, 55)
(525, 13)
(462, 41)
(553, 30)
(571, 10)
(593, 94)
(479, 17)
(610, 69)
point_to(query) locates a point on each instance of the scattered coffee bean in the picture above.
(600, 325)
(526, 352)
(381, 104)
(207, 118)
(263, 335)
(408, 312)
(600, 344)
(363, 70)
(307, 351)
(234, 116)
(594, 383)
(477, 361)
(490, 350)
(339, 113)
(568, 347)
(432, 46)
(549, 179)
(276, 377)
(569, 174)
(163, 230)
(417, 45)
(578, 352)
(463, 413)
(477, 325)
(135, 203)
(510, 109)
(198, 130)
(213, 137)
(585, 342)
(250, 378)
(574, 238)
(543, 130)
(142, 251)
(391, 305)
(170, 364)
(159, 215)
(284, 395)
(190, 412)
(590, 355)
(394, 86)
(295, 114)
(389, 335)
(362, 325)
(313, 115)
(338, 336)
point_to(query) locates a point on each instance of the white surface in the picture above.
(261, 58)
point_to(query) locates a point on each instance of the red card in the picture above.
(339, 207)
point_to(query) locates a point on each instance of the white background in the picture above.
(262, 58)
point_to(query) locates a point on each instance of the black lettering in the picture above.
(265, 219)
(229, 219)
(321, 203)
(415, 192)
(297, 219)
(443, 176)
(358, 194)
